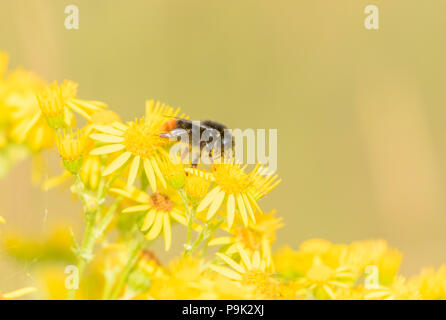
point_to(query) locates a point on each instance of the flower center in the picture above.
(142, 139)
(196, 187)
(230, 178)
(161, 202)
(262, 281)
(248, 238)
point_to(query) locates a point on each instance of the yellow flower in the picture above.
(257, 237)
(181, 280)
(56, 100)
(291, 264)
(322, 280)
(2, 220)
(71, 148)
(431, 283)
(91, 167)
(138, 141)
(27, 126)
(235, 188)
(188, 279)
(360, 254)
(400, 289)
(197, 183)
(315, 246)
(150, 264)
(159, 209)
(173, 173)
(250, 271)
(217, 287)
(261, 182)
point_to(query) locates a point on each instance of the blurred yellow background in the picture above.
(360, 114)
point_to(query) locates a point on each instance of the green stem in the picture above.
(135, 246)
(85, 254)
(107, 218)
(190, 220)
(92, 231)
(204, 236)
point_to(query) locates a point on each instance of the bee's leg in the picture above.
(196, 156)
(175, 134)
(227, 145)
(210, 148)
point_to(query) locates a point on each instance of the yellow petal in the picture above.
(226, 272)
(242, 209)
(256, 260)
(244, 255)
(132, 193)
(266, 249)
(220, 241)
(117, 163)
(19, 293)
(231, 209)
(254, 202)
(120, 126)
(208, 199)
(178, 217)
(109, 130)
(150, 174)
(156, 228)
(329, 291)
(55, 181)
(106, 138)
(248, 206)
(2, 220)
(90, 104)
(232, 249)
(107, 149)
(167, 232)
(94, 172)
(79, 110)
(148, 220)
(230, 262)
(215, 205)
(133, 171)
(138, 208)
(158, 172)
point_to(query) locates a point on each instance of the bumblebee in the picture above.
(212, 135)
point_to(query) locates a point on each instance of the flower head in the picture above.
(56, 101)
(20, 108)
(250, 271)
(159, 209)
(71, 148)
(138, 143)
(322, 280)
(235, 188)
(197, 183)
(256, 237)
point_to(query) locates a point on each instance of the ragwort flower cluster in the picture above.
(133, 194)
